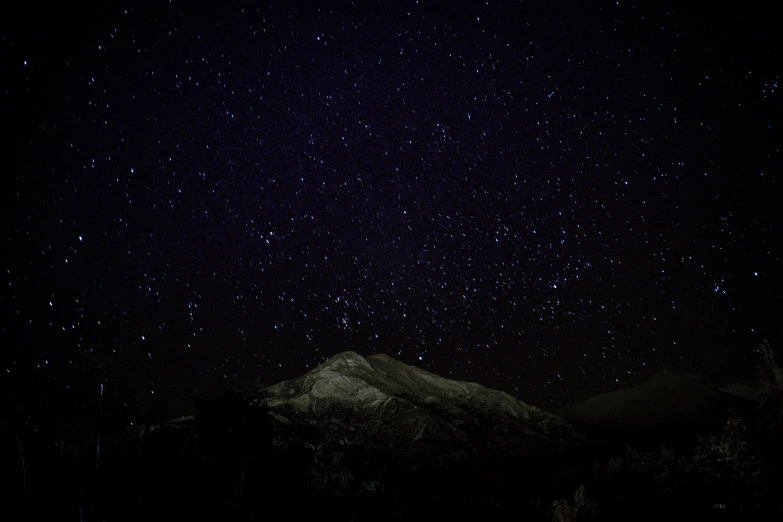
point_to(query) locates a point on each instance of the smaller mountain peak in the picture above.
(348, 354)
(667, 375)
(347, 359)
(382, 357)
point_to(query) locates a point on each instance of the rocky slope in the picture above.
(382, 402)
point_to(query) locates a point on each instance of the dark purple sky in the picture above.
(550, 199)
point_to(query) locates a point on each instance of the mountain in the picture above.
(669, 408)
(382, 403)
(359, 429)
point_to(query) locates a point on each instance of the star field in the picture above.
(554, 200)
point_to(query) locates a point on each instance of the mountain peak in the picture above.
(347, 377)
(344, 360)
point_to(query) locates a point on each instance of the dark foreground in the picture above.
(230, 462)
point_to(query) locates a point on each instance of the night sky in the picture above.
(548, 198)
